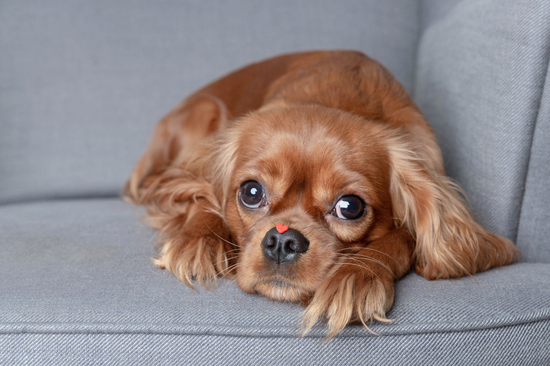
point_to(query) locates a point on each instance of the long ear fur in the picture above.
(180, 181)
(185, 207)
(174, 140)
(202, 180)
(449, 243)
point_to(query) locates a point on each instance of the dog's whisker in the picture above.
(219, 237)
(229, 269)
(354, 258)
(369, 258)
(379, 263)
(371, 249)
(363, 266)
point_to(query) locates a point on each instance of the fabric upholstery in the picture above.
(480, 75)
(83, 83)
(524, 344)
(432, 11)
(534, 225)
(76, 275)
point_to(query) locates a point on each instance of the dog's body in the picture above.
(308, 177)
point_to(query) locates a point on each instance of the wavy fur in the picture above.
(310, 128)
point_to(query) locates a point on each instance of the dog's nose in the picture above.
(284, 247)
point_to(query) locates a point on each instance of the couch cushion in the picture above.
(77, 285)
(534, 224)
(83, 83)
(432, 11)
(480, 75)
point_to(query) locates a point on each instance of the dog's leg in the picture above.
(197, 247)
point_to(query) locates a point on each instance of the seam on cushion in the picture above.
(61, 197)
(422, 29)
(535, 123)
(320, 337)
(316, 332)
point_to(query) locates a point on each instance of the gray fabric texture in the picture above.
(524, 344)
(534, 226)
(480, 77)
(76, 275)
(432, 11)
(84, 82)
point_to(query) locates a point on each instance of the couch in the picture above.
(82, 84)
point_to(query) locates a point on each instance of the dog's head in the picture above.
(302, 188)
(305, 187)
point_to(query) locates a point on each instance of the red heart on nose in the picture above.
(281, 228)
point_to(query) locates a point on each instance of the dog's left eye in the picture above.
(251, 194)
(349, 208)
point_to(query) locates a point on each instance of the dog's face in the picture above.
(298, 202)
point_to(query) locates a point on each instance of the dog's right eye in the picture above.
(251, 194)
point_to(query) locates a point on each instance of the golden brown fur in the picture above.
(310, 128)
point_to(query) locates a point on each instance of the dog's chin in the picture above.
(281, 290)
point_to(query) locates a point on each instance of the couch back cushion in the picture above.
(533, 236)
(480, 79)
(84, 82)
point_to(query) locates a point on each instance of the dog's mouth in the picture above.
(280, 283)
(279, 288)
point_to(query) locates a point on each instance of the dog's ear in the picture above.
(449, 242)
(180, 180)
(174, 140)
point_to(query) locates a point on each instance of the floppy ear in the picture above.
(174, 140)
(449, 243)
(180, 181)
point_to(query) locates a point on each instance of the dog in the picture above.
(308, 177)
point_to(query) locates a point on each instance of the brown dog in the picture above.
(308, 177)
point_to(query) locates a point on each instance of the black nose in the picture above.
(284, 247)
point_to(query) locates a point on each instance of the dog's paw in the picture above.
(349, 296)
(202, 258)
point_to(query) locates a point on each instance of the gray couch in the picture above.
(82, 83)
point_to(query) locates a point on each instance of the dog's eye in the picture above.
(349, 208)
(251, 194)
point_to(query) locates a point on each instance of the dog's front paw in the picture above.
(350, 295)
(197, 253)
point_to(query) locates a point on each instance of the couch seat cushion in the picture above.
(77, 283)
